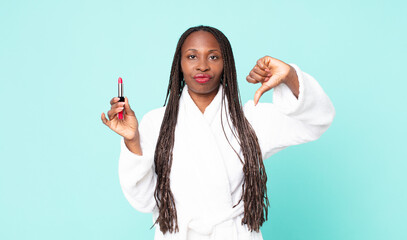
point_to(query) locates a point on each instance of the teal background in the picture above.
(59, 64)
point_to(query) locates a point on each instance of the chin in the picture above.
(206, 88)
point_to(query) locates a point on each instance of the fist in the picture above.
(270, 72)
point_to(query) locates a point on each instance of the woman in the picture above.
(197, 163)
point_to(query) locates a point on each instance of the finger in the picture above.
(104, 120)
(114, 100)
(113, 112)
(118, 104)
(251, 80)
(267, 60)
(269, 75)
(256, 76)
(127, 108)
(261, 72)
(261, 63)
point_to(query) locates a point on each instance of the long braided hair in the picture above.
(254, 190)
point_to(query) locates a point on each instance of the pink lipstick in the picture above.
(120, 89)
(202, 78)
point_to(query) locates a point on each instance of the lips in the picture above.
(202, 78)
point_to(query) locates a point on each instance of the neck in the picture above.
(202, 100)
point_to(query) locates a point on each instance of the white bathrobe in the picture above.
(206, 175)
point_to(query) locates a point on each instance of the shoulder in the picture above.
(153, 118)
(157, 113)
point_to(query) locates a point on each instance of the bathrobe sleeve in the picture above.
(136, 173)
(288, 120)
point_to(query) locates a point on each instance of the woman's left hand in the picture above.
(271, 72)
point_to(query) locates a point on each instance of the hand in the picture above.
(126, 127)
(271, 72)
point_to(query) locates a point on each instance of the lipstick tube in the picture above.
(120, 95)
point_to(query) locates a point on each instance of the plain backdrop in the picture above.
(59, 64)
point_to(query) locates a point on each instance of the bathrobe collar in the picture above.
(210, 111)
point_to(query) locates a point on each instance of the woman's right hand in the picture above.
(126, 127)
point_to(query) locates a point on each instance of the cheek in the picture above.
(183, 63)
(220, 71)
(182, 66)
(185, 67)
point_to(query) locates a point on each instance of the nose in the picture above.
(202, 65)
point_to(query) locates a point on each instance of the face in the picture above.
(201, 64)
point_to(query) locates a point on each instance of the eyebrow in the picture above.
(212, 50)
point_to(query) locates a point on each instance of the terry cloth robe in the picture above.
(206, 176)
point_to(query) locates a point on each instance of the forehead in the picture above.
(200, 40)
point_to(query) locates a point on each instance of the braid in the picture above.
(164, 198)
(254, 189)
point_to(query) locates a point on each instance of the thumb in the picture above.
(260, 92)
(104, 120)
(266, 86)
(127, 108)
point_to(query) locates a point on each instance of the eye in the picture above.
(213, 57)
(191, 56)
